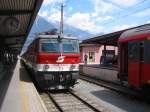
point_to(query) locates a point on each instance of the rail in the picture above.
(70, 101)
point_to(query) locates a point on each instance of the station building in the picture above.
(102, 56)
(95, 52)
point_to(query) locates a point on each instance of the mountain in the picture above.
(70, 30)
(42, 25)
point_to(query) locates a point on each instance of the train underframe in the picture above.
(56, 80)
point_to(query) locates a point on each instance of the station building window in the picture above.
(108, 57)
(91, 56)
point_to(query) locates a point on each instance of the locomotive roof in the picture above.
(55, 36)
(130, 34)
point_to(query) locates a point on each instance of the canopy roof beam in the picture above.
(14, 12)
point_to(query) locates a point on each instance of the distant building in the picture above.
(94, 53)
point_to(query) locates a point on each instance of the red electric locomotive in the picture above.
(134, 56)
(54, 61)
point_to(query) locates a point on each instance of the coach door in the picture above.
(134, 63)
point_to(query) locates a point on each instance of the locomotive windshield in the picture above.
(50, 46)
(53, 45)
(70, 46)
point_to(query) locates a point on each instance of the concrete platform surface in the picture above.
(21, 95)
(109, 100)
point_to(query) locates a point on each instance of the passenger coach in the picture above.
(134, 56)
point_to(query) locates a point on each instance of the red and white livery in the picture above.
(54, 61)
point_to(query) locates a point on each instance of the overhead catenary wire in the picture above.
(130, 7)
(126, 10)
(125, 16)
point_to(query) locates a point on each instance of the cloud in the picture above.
(49, 2)
(125, 2)
(145, 12)
(94, 14)
(83, 21)
(70, 8)
(122, 27)
(106, 18)
(43, 14)
(103, 18)
(55, 16)
(102, 7)
(91, 21)
(148, 21)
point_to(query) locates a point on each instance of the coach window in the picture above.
(133, 51)
(147, 51)
(142, 51)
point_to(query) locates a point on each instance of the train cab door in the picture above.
(134, 63)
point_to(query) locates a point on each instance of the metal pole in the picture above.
(104, 54)
(61, 26)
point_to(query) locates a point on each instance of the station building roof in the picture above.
(108, 39)
(112, 38)
(16, 19)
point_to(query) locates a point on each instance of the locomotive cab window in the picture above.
(50, 46)
(65, 45)
(70, 46)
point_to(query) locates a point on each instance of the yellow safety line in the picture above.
(25, 102)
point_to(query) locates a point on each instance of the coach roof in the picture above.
(137, 33)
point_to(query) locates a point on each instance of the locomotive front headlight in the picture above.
(73, 67)
(46, 66)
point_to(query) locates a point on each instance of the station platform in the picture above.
(18, 93)
(105, 73)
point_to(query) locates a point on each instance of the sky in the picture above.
(98, 16)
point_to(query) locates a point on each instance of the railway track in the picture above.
(69, 102)
(112, 86)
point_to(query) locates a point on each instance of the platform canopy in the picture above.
(106, 39)
(112, 38)
(16, 19)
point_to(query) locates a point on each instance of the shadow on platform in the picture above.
(23, 75)
(115, 99)
(5, 81)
